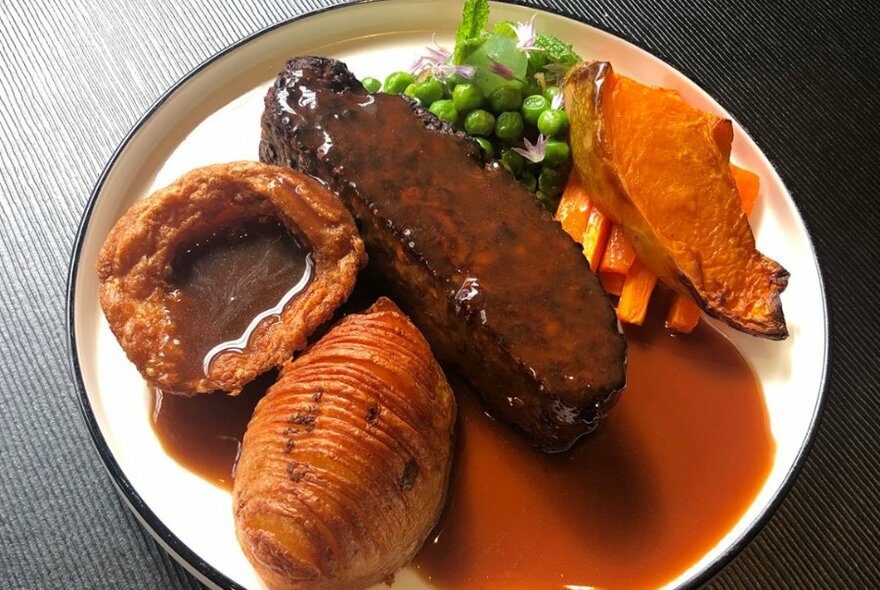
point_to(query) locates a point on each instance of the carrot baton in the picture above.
(574, 208)
(684, 314)
(636, 294)
(596, 237)
(616, 260)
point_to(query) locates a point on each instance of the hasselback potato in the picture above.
(344, 464)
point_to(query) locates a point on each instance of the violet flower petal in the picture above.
(533, 152)
(526, 36)
(445, 71)
(502, 70)
(434, 57)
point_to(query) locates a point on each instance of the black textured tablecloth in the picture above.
(802, 77)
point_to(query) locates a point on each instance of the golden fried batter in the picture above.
(135, 266)
(345, 462)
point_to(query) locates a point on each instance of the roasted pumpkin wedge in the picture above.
(660, 168)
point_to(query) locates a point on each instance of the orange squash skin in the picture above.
(660, 168)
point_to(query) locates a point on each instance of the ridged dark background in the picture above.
(802, 77)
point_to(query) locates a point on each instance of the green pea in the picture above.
(486, 145)
(564, 167)
(556, 153)
(550, 92)
(532, 87)
(547, 201)
(445, 110)
(532, 107)
(372, 85)
(528, 180)
(397, 82)
(552, 122)
(509, 126)
(505, 98)
(551, 182)
(467, 97)
(479, 122)
(513, 162)
(410, 90)
(428, 91)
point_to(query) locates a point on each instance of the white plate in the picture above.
(213, 115)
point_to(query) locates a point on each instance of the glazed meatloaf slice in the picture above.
(501, 293)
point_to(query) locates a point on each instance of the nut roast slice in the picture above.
(498, 289)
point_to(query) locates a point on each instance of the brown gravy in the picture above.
(204, 432)
(675, 465)
(229, 282)
(677, 462)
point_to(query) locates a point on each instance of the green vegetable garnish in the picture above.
(532, 107)
(486, 145)
(513, 162)
(444, 110)
(548, 202)
(556, 153)
(397, 82)
(529, 180)
(497, 62)
(551, 182)
(509, 126)
(556, 51)
(532, 87)
(428, 91)
(479, 122)
(491, 71)
(550, 92)
(505, 29)
(372, 85)
(474, 17)
(505, 98)
(552, 122)
(467, 97)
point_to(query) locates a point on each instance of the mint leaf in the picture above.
(505, 28)
(474, 17)
(556, 51)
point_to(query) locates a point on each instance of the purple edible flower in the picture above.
(533, 152)
(435, 56)
(439, 54)
(502, 70)
(445, 71)
(526, 35)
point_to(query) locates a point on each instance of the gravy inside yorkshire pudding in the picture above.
(223, 275)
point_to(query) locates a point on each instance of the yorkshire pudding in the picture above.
(136, 268)
(344, 465)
